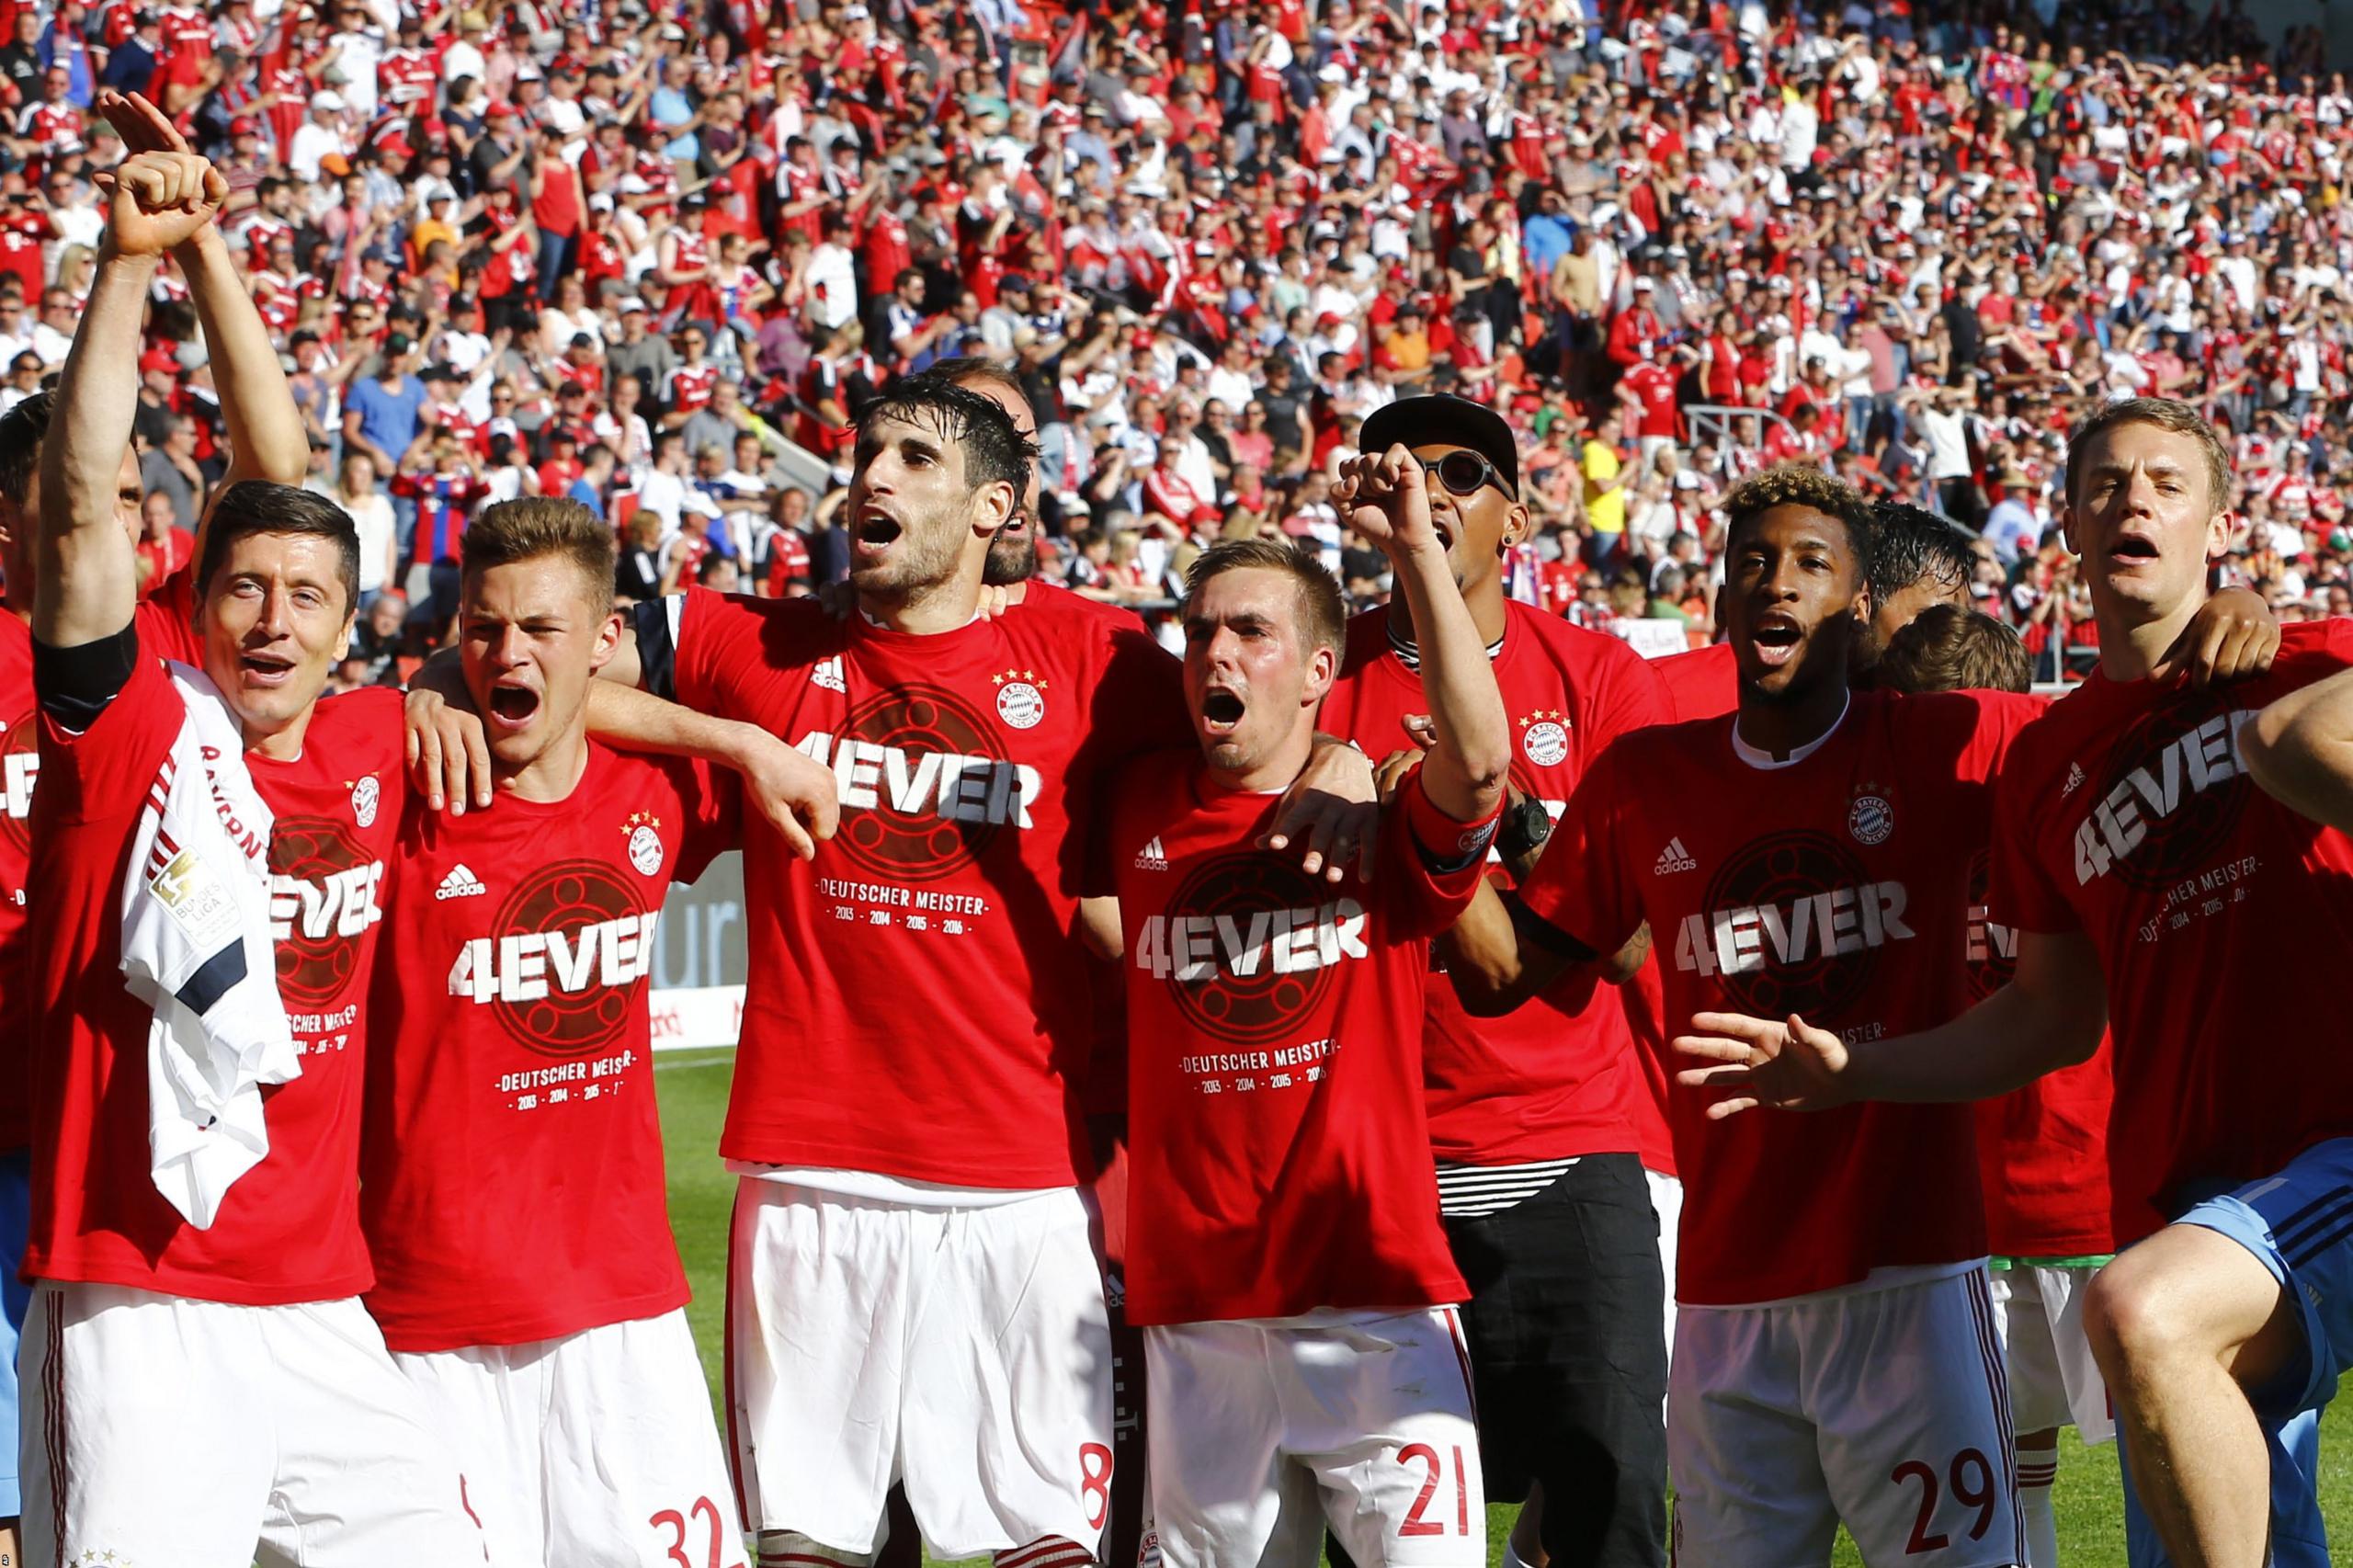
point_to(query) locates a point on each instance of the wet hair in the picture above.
(1802, 484)
(2166, 415)
(1911, 545)
(1322, 613)
(970, 370)
(531, 526)
(253, 506)
(994, 452)
(1947, 648)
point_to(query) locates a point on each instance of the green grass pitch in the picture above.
(693, 1089)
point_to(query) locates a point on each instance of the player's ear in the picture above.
(1514, 528)
(609, 639)
(2067, 528)
(997, 501)
(2219, 530)
(1323, 669)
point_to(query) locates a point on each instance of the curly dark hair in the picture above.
(1802, 484)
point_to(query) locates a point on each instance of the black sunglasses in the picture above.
(1462, 472)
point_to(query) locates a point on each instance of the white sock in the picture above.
(2037, 1468)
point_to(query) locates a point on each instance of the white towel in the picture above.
(196, 946)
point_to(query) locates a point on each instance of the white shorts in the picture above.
(1264, 1432)
(1885, 1408)
(965, 1351)
(160, 1429)
(2038, 1309)
(594, 1450)
(1667, 1199)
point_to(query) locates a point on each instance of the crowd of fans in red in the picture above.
(653, 254)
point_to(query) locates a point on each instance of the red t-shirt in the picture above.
(2218, 914)
(19, 767)
(687, 387)
(163, 621)
(1556, 1079)
(921, 962)
(289, 1230)
(1701, 684)
(1860, 846)
(1277, 1147)
(1655, 386)
(2042, 1149)
(526, 1070)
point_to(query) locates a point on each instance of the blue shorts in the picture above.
(2298, 1225)
(16, 1224)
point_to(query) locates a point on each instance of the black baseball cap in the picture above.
(1453, 421)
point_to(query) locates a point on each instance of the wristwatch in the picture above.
(1525, 826)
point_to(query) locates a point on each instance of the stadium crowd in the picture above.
(656, 261)
(732, 281)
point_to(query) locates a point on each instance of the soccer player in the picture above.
(2139, 855)
(1533, 1117)
(911, 1279)
(513, 1191)
(1836, 889)
(1294, 1280)
(2043, 1149)
(1949, 647)
(1012, 569)
(282, 1427)
(1918, 559)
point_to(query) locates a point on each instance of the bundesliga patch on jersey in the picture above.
(366, 796)
(1544, 736)
(1020, 699)
(1871, 819)
(644, 843)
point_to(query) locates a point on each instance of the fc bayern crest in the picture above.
(1020, 699)
(1545, 738)
(366, 796)
(1871, 819)
(645, 846)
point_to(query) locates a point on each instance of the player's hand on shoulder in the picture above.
(794, 791)
(1391, 773)
(2233, 637)
(1789, 1066)
(449, 753)
(1382, 496)
(1331, 814)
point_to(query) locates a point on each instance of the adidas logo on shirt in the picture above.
(1153, 857)
(1674, 858)
(459, 883)
(2075, 780)
(828, 674)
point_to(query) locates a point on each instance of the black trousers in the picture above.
(1568, 1361)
